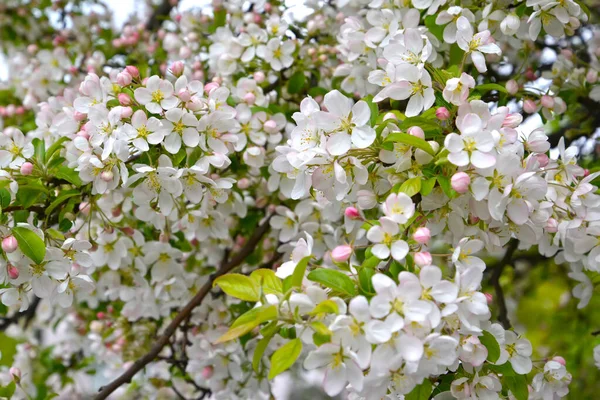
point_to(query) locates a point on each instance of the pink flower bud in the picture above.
(257, 18)
(184, 95)
(250, 98)
(489, 298)
(416, 131)
(512, 120)
(423, 258)
(13, 272)
(389, 116)
(352, 213)
(79, 116)
(547, 101)
(107, 176)
(551, 225)
(259, 76)
(207, 372)
(460, 182)
(542, 159)
(184, 52)
(209, 87)
(341, 253)
(559, 360)
(442, 113)
(270, 126)
(9, 244)
(530, 74)
(312, 51)
(133, 71)
(32, 48)
(20, 110)
(124, 78)
(16, 373)
(217, 79)
(422, 235)
(529, 106)
(126, 112)
(586, 172)
(243, 183)
(26, 168)
(124, 99)
(163, 237)
(591, 76)
(512, 87)
(83, 134)
(268, 7)
(177, 68)
(100, 315)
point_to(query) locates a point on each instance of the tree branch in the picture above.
(495, 282)
(163, 339)
(159, 15)
(27, 315)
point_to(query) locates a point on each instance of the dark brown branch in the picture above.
(495, 282)
(26, 315)
(163, 339)
(159, 14)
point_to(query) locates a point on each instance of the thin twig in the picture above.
(495, 282)
(26, 315)
(163, 339)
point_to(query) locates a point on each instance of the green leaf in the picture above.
(373, 107)
(220, 19)
(427, 186)
(420, 392)
(410, 140)
(239, 286)
(30, 244)
(486, 87)
(8, 391)
(28, 195)
(67, 174)
(320, 328)
(493, 348)
(267, 279)
(333, 279)
(285, 357)
(299, 271)
(411, 186)
(296, 82)
(4, 198)
(56, 146)
(365, 283)
(446, 186)
(61, 199)
(259, 351)
(249, 321)
(39, 146)
(517, 384)
(325, 307)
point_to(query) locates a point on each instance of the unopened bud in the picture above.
(16, 374)
(422, 235)
(460, 182)
(547, 101)
(9, 244)
(107, 176)
(416, 131)
(26, 168)
(423, 258)
(551, 225)
(124, 99)
(177, 68)
(270, 126)
(133, 71)
(352, 213)
(529, 106)
(250, 98)
(124, 78)
(207, 372)
(13, 272)
(341, 253)
(442, 113)
(489, 298)
(259, 76)
(126, 112)
(512, 87)
(559, 360)
(243, 183)
(542, 159)
(512, 120)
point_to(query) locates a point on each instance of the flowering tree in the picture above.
(199, 202)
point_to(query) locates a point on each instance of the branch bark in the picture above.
(26, 315)
(163, 339)
(159, 15)
(495, 282)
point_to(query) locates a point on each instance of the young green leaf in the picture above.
(492, 346)
(411, 186)
(420, 392)
(267, 279)
(239, 286)
(333, 279)
(285, 357)
(30, 244)
(299, 271)
(296, 82)
(411, 141)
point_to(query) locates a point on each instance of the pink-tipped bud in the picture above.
(26, 168)
(551, 225)
(512, 120)
(124, 78)
(207, 372)
(341, 253)
(184, 95)
(9, 244)
(529, 106)
(352, 213)
(100, 315)
(442, 113)
(542, 159)
(423, 258)
(559, 360)
(586, 172)
(124, 99)
(270, 126)
(416, 131)
(259, 76)
(530, 74)
(591, 76)
(32, 49)
(16, 373)
(133, 71)
(389, 116)
(13, 272)
(209, 87)
(163, 237)
(79, 116)
(250, 98)
(107, 176)
(547, 101)
(489, 298)
(126, 112)
(460, 182)
(84, 207)
(177, 68)
(243, 183)
(422, 235)
(512, 87)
